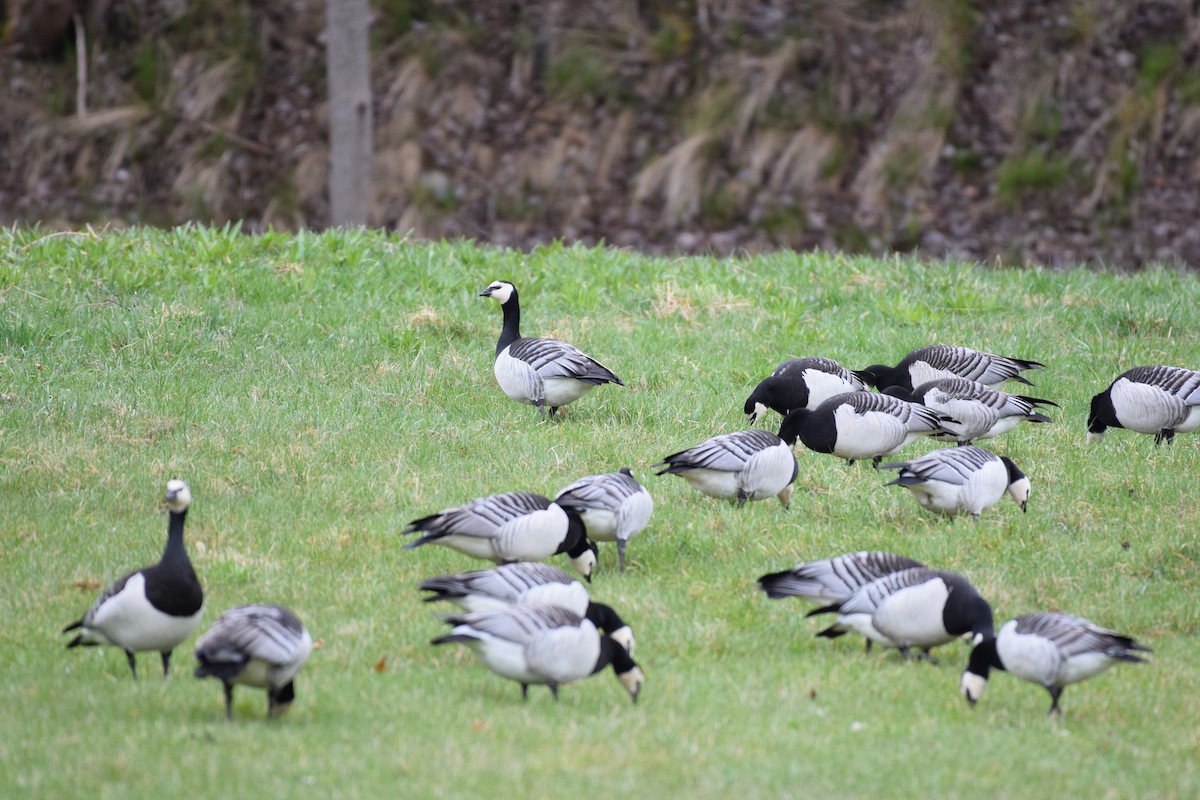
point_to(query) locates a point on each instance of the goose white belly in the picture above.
(128, 620)
(561, 391)
(913, 616)
(601, 524)
(713, 482)
(862, 624)
(824, 385)
(530, 537)
(504, 657)
(1144, 408)
(982, 490)
(768, 472)
(868, 435)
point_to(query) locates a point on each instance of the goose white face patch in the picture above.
(972, 686)
(179, 496)
(1020, 491)
(500, 291)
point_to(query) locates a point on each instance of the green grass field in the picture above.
(319, 391)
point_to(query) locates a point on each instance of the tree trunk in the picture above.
(350, 117)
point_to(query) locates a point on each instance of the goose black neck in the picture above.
(984, 658)
(604, 617)
(175, 551)
(512, 323)
(611, 652)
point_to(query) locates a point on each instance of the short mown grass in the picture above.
(319, 391)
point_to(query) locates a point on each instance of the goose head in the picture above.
(500, 291)
(179, 497)
(1019, 487)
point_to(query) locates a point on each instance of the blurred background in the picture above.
(1018, 132)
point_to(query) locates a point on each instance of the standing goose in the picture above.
(540, 372)
(948, 361)
(858, 425)
(916, 607)
(834, 579)
(1158, 400)
(614, 507)
(1050, 649)
(957, 480)
(539, 644)
(747, 465)
(255, 645)
(526, 582)
(153, 608)
(801, 383)
(515, 526)
(980, 412)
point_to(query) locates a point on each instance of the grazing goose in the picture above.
(540, 644)
(957, 480)
(540, 372)
(1050, 649)
(514, 526)
(747, 465)
(858, 425)
(526, 582)
(614, 507)
(834, 579)
(979, 411)
(153, 608)
(1159, 400)
(801, 383)
(948, 361)
(916, 607)
(255, 645)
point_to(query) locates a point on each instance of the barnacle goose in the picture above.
(957, 480)
(916, 607)
(614, 507)
(514, 526)
(153, 608)
(255, 645)
(947, 361)
(1047, 648)
(857, 425)
(833, 579)
(540, 644)
(801, 383)
(1159, 400)
(526, 582)
(980, 412)
(747, 465)
(540, 372)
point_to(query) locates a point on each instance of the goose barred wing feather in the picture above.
(833, 579)
(1075, 636)
(953, 465)
(518, 624)
(269, 633)
(600, 491)
(867, 598)
(552, 358)
(984, 368)
(506, 582)
(1182, 383)
(917, 417)
(727, 452)
(482, 517)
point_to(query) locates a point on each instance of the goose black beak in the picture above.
(486, 293)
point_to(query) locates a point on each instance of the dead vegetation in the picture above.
(1027, 131)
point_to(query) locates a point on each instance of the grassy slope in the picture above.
(319, 391)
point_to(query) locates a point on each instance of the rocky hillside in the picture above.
(1021, 131)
